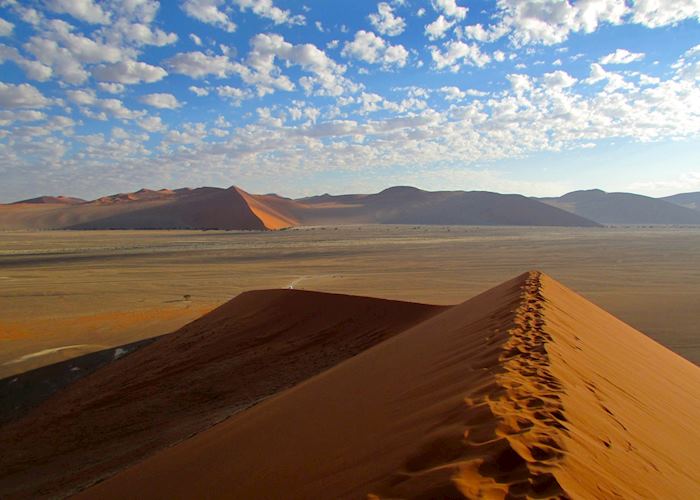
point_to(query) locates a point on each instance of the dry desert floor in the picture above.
(65, 293)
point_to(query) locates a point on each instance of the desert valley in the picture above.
(168, 345)
(352, 250)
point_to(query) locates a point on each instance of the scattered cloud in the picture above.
(22, 95)
(209, 12)
(386, 22)
(161, 101)
(129, 72)
(621, 56)
(373, 49)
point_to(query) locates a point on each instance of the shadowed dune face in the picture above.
(257, 344)
(527, 390)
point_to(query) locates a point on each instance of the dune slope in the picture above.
(527, 390)
(624, 208)
(246, 350)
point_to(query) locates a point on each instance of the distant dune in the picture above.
(59, 200)
(624, 208)
(527, 390)
(248, 349)
(687, 200)
(233, 208)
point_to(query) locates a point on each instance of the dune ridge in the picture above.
(525, 391)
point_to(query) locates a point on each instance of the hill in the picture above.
(51, 200)
(687, 200)
(623, 208)
(234, 208)
(527, 390)
(248, 349)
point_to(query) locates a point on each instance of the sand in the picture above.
(108, 288)
(248, 349)
(526, 390)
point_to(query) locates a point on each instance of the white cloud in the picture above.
(85, 10)
(261, 71)
(438, 28)
(656, 13)
(551, 22)
(161, 100)
(621, 56)
(83, 48)
(151, 124)
(199, 91)
(198, 64)
(456, 94)
(456, 53)
(27, 115)
(385, 22)
(234, 94)
(117, 109)
(129, 72)
(266, 9)
(82, 97)
(480, 34)
(196, 40)
(207, 11)
(420, 12)
(450, 8)
(558, 80)
(112, 88)
(34, 70)
(373, 49)
(22, 95)
(615, 81)
(6, 27)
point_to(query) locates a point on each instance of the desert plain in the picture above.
(66, 293)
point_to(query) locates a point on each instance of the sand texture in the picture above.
(250, 348)
(103, 289)
(525, 391)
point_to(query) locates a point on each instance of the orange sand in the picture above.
(248, 349)
(527, 390)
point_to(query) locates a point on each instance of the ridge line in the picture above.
(524, 436)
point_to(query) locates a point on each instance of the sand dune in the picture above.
(527, 390)
(61, 200)
(202, 208)
(409, 205)
(233, 208)
(687, 200)
(624, 208)
(274, 211)
(246, 350)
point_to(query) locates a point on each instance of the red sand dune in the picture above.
(249, 348)
(233, 208)
(527, 390)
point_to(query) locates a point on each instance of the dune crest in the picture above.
(525, 391)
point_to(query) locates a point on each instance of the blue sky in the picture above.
(532, 96)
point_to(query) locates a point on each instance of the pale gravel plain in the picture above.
(105, 288)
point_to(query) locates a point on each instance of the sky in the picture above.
(303, 97)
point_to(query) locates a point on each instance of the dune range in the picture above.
(525, 391)
(234, 208)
